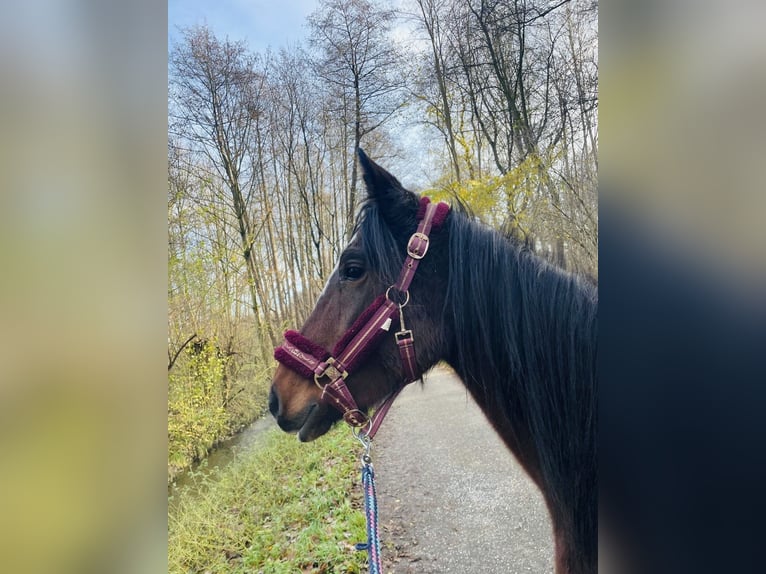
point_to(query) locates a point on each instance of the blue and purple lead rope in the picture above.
(371, 512)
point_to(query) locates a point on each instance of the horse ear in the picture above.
(393, 200)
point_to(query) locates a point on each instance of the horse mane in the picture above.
(526, 341)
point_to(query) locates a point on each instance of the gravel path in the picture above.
(451, 497)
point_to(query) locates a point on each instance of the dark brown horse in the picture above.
(520, 333)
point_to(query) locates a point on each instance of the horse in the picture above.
(519, 332)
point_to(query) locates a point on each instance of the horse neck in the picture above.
(523, 342)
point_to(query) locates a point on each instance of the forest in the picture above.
(493, 103)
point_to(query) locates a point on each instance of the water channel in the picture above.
(246, 441)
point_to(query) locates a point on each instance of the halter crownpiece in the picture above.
(315, 363)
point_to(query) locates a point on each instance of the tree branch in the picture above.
(172, 360)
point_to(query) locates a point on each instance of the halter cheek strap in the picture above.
(313, 362)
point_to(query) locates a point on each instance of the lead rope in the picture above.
(370, 507)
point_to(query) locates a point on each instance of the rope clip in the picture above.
(366, 442)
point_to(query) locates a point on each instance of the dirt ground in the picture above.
(451, 497)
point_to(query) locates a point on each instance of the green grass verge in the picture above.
(287, 508)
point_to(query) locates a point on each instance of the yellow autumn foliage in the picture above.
(495, 199)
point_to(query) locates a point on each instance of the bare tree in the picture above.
(524, 74)
(360, 67)
(215, 91)
(432, 20)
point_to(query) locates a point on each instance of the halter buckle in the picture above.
(417, 246)
(331, 372)
(404, 335)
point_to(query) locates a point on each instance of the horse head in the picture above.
(361, 282)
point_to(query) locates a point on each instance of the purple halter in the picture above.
(312, 361)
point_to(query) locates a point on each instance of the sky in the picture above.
(262, 23)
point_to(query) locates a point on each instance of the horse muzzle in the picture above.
(311, 421)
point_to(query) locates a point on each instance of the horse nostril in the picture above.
(273, 402)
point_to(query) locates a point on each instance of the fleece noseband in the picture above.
(330, 370)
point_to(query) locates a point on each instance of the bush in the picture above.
(197, 416)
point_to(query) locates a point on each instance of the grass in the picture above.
(287, 508)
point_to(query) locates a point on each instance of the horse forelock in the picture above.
(380, 242)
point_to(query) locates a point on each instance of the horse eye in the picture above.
(353, 272)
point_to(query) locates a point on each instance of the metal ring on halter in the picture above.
(366, 422)
(406, 299)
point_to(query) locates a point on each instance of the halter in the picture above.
(330, 370)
